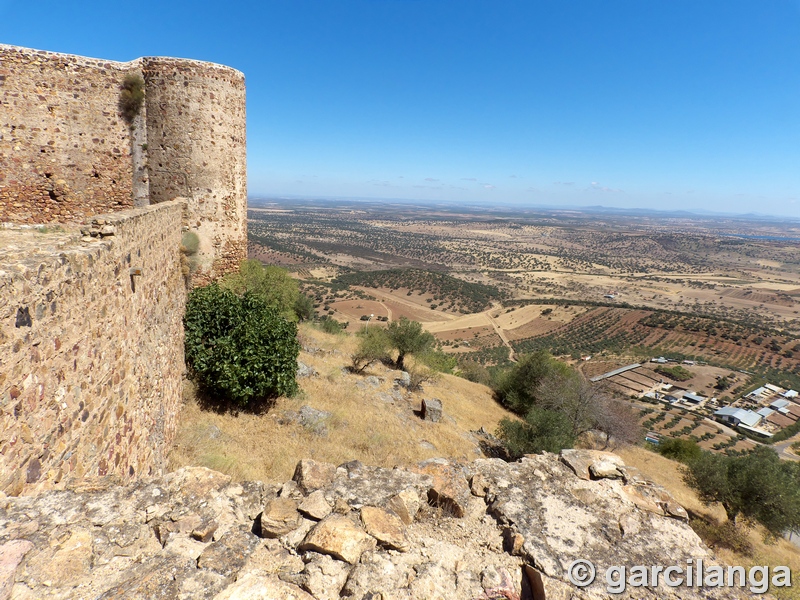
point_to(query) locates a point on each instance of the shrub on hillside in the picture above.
(373, 345)
(684, 451)
(408, 337)
(239, 348)
(542, 431)
(272, 284)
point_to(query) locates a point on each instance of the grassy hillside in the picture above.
(372, 423)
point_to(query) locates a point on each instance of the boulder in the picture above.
(405, 504)
(340, 537)
(385, 526)
(315, 506)
(311, 475)
(593, 464)
(280, 516)
(432, 410)
(449, 489)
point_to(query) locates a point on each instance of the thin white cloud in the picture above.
(601, 188)
(431, 179)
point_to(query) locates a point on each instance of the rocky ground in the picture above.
(485, 530)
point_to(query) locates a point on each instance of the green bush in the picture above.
(438, 360)
(238, 348)
(723, 535)
(329, 325)
(373, 345)
(542, 431)
(408, 337)
(273, 284)
(683, 451)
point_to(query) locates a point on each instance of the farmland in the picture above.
(492, 284)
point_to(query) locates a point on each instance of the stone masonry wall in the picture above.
(91, 357)
(65, 151)
(196, 149)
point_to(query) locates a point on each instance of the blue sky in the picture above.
(689, 104)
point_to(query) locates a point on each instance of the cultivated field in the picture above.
(490, 286)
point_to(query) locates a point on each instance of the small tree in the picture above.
(408, 338)
(273, 284)
(517, 390)
(373, 345)
(757, 486)
(542, 431)
(239, 348)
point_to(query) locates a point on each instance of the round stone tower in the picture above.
(196, 149)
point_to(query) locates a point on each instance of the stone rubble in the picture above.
(486, 529)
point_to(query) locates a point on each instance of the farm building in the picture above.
(738, 416)
(694, 399)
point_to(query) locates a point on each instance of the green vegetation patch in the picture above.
(677, 373)
(445, 289)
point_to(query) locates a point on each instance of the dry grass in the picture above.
(667, 473)
(363, 426)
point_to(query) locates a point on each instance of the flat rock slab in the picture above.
(311, 475)
(562, 518)
(229, 554)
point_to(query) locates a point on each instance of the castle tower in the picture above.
(195, 127)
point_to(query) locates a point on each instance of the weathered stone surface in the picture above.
(311, 475)
(405, 504)
(315, 506)
(359, 484)
(228, 555)
(562, 518)
(323, 576)
(432, 410)
(385, 526)
(582, 462)
(340, 537)
(449, 489)
(280, 516)
(536, 517)
(11, 554)
(257, 587)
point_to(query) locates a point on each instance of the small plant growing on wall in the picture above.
(190, 245)
(131, 96)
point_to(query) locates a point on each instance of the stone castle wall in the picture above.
(91, 357)
(66, 153)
